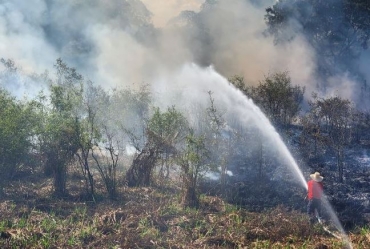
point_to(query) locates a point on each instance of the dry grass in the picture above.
(150, 218)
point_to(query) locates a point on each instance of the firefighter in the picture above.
(315, 191)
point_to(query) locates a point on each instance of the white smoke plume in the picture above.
(129, 42)
(165, 10)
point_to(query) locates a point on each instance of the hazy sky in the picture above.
(129, 42)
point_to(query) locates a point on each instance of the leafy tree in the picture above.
(163, 133)
(277, 97)
(109, 118)
(17, 127)
(239, 83)
(105, 143)
(193, 161)
(169, 129)
(122, 123)
(89, 132)
(60, 144)
(60, 138)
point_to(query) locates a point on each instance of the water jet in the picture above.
(237, 106)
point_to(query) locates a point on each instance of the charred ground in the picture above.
(152, 217)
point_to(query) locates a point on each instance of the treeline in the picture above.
(75, 122)
(329, 125)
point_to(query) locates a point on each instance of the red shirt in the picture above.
(315, 189)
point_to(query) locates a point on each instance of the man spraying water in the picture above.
(315, 191)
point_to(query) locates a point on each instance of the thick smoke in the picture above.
(129, 42)
(164, 10)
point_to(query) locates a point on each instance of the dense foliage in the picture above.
(17, 131)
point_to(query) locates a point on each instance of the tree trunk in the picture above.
(85, 168)
(91, 184)
(190, 197)
(140, 172)
(60, 180)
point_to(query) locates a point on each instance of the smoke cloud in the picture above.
(165, 10)
(130, 42)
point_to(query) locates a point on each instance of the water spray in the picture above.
(268, 127)
(335, 221)
(294, 166)
(239, 106)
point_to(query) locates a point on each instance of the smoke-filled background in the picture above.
(131, 42)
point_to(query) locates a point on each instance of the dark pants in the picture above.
(314, 204)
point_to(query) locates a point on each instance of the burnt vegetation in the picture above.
(86, 167)
(112, 167)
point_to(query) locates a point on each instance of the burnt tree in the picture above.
(139, 174)
(165, 131)
(141, 170)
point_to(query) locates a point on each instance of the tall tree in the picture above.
(337, 29)
(122, 122)
(193, 162)
(333, 123)
(60, 137)
(164, 131)
(89, 132)
(277, 97)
